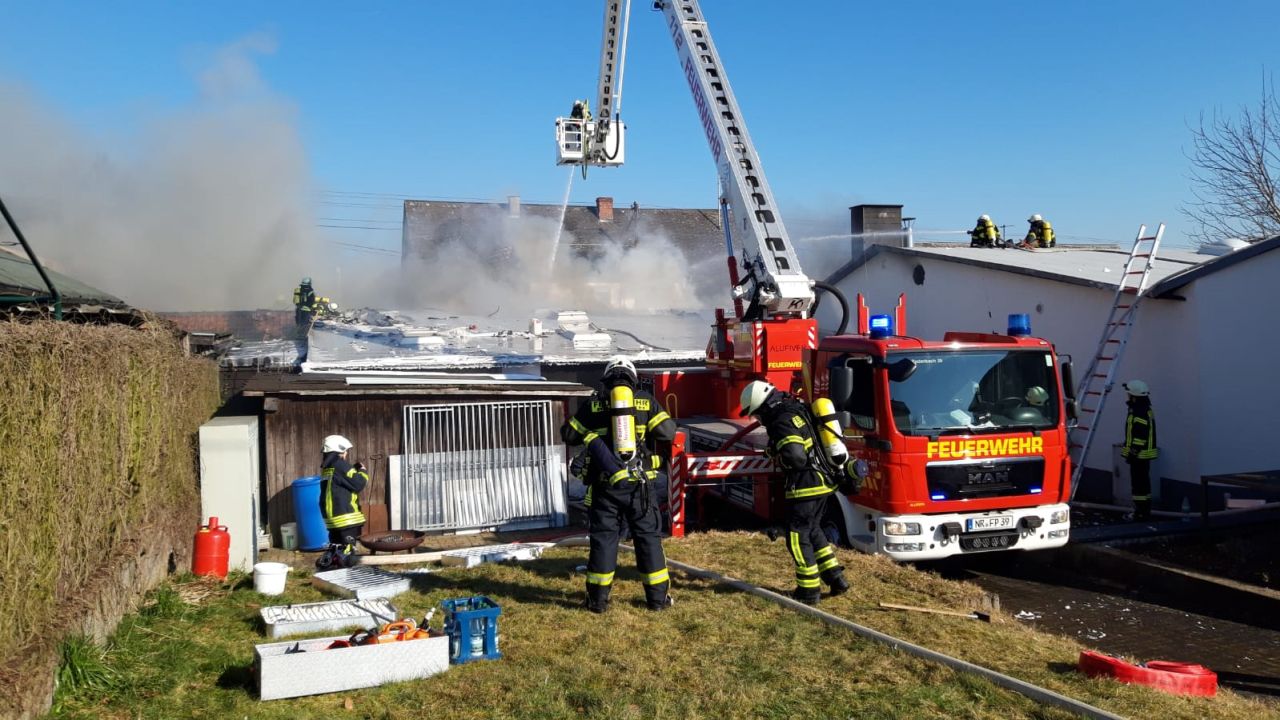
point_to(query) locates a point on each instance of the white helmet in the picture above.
(1037, 395)
(336, 443)
(620, 365)
(1035, 218)
(754, 395)
(1137, 388)
(985, 218)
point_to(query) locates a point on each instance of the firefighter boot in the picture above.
(1142, 509)
(808, 596)
(835, 578)
(658, 597)
(597, 598)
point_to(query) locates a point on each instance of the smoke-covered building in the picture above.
(491, 229)
(473, 257)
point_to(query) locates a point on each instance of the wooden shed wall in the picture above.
(295, 432)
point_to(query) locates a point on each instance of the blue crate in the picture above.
(472, 626)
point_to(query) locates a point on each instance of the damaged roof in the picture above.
(21, 284)
(434, 341)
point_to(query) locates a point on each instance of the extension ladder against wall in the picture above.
(1098, 380)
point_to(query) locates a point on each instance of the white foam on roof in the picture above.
(467, 342)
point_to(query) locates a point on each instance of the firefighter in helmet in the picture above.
(1040, 233)
(985, 233)
(1140, 446)
(628, 437)
(810, 481)
(304, 303)
(340, 486)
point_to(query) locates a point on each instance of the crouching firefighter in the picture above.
(340, 485)
(628, 438)
(813, 471)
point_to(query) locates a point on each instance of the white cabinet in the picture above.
(230, 472)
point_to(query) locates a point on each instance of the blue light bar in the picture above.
(881, 326)
(1020, 324)
(939, 496)
(1035, 491)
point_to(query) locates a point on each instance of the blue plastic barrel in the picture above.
(312, 534)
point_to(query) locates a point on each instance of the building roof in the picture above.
(428, 223)
(420, 384)
(1170, 284)
(1089, 265)
(427, 341)
(20, 279)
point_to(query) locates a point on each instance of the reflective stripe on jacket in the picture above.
(340, 485)
(1140, 436)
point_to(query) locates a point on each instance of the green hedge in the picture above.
(97, 448)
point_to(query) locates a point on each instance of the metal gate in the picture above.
(481, 465)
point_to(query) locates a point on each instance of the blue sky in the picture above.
(1078, 110)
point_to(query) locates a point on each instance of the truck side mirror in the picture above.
(1068, 381)
(901, 370)
(841, 385)
(1073, 411)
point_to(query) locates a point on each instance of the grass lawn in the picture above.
(717, 654)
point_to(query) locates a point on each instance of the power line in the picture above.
(359, 227)
(365, 248)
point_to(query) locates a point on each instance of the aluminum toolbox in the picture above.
(282, 672)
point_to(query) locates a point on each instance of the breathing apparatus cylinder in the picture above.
(623, 410)
(830, 434)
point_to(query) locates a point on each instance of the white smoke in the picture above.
(201, 208)
(490, 262)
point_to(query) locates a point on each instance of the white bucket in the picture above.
(268, 577)
(289, 536)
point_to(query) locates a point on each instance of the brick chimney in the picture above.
(513, 205)
(604, 209)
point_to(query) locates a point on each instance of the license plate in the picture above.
(989, 522)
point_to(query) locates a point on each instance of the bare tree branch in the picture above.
(1235, 166)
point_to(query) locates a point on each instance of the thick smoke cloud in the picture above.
(205, 207)
(491, 262)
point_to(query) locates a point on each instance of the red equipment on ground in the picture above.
(1171, 677)
(212, 550)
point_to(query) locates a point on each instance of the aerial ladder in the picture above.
(771, 278)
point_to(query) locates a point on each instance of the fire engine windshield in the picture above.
(973, 392)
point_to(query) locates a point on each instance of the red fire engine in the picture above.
(962, 441)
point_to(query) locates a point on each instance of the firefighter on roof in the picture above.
(1140, 446)
(810, 481)
(985, 233)
(304, 303)
(340, 486)
(1040, 233)
(628, 437)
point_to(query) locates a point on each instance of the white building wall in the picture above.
(1239, 346)
(956, 296)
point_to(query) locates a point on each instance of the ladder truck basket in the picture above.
(571, 135)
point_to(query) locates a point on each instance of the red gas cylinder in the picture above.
(212, 547)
